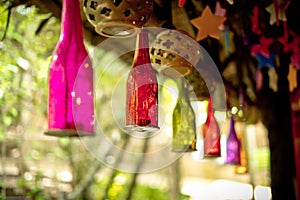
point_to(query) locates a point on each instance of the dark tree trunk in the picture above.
(276, 115)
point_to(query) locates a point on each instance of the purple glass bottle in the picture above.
(233, 147)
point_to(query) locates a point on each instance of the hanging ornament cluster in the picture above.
(184, 124)
(117, 18)
(261, 49)
(142, 90)
(277, 11)
(71, 96)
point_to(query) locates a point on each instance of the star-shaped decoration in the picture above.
(294, 46)
(292, 78)
(181, 3)
(258, 79)
(264, 61)
(277, 11)
(208, 24)
(262, 47)
(285, 38)
(295, 59)
(230, 2)
(273, 79)
(255, 21)
(219, 11)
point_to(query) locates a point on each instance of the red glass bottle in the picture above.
(233, 146)
(211, 133)
(71, 96)
(142, 90)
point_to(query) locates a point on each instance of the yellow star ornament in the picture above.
(208, 24)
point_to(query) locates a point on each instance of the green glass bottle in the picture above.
(184, 127)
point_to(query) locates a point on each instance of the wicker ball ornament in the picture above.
(174, 54)
(117, 18)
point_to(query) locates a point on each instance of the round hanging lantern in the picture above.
(174, 54)
(117, 18)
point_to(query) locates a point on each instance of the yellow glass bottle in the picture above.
(183, 121)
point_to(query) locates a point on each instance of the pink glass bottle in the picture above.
(211, 133)
(142, 90)
(71, 96)
(233, 146)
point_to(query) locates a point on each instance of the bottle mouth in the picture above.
(117, 30)
(141, 131)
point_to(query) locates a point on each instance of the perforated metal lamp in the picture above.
(117, 18)
(174, 54)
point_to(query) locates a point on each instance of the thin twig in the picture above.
(114, 171)
(139, 165)
(7, 22)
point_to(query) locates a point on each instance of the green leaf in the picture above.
(14, 112)
(12, 68)
(64, 142)
(7, 120)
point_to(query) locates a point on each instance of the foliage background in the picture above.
(34, 165)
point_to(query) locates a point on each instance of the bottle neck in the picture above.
(210, 109)
(182, 91)
(71, 18)
(141, 55)
(232, 129)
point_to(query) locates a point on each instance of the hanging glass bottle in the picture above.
(242, 168)
(211, 133)
(184, 127)
(142, 90)
(233, 145)
(71, 97)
